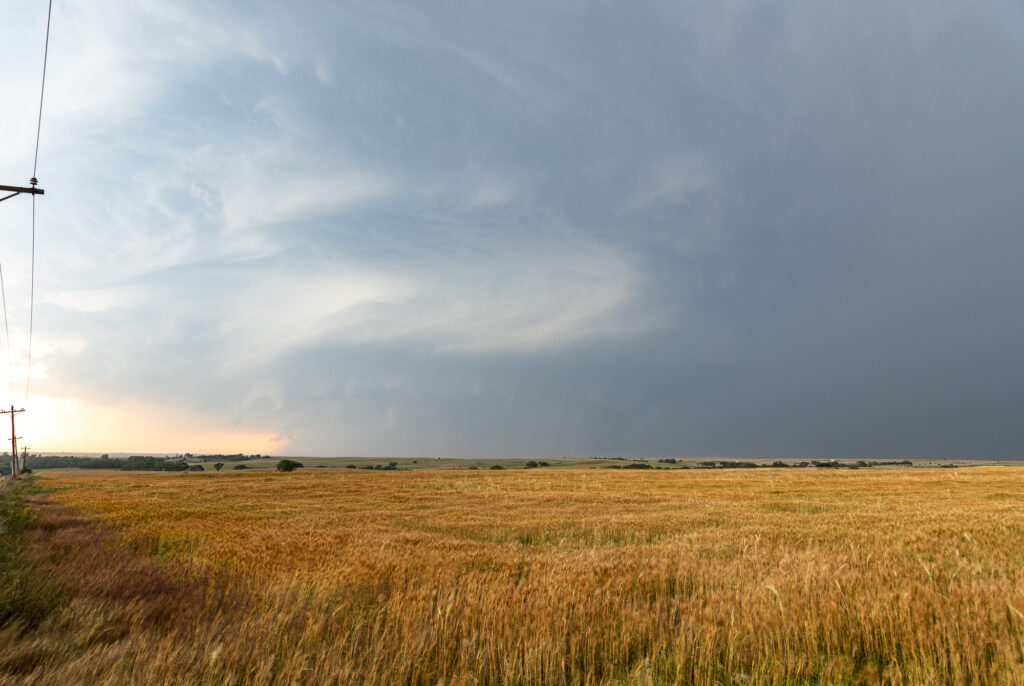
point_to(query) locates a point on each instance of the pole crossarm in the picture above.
(16, 190)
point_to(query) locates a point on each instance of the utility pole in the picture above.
(14, 441)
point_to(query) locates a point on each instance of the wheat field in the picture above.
(779, 576)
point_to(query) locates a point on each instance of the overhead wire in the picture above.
(31, 301)
(32, 288)
(35, 165)
(42, 87)
(7, 335)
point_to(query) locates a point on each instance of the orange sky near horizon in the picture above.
(69, 425)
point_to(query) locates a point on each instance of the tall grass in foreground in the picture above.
(532, 577)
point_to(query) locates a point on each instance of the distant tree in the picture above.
(196, 468)
(496, 466)
(144, 463)
(288, 465)
(241, 466)
(532, 464)
(218, 466)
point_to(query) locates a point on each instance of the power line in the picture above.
(42, 89)
(7, 333)
(31, 302)
(33, 191)
(33, 182)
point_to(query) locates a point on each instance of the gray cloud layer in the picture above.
(541, 229)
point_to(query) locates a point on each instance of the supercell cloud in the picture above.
(552, 228)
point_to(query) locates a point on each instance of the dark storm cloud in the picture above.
(572, 228)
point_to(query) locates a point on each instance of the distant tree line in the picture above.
(834, 464)
(237, 457)
(135, 463)
(389, 467)
(637, 463)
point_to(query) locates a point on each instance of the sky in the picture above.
(483, 229)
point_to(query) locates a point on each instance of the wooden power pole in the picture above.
(14, 441)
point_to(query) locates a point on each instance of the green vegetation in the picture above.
(135, 463)
(264, 463)
(288, 465)
(27, 596)
(390, 466)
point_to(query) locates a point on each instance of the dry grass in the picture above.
(533, 577)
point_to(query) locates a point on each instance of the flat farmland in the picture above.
(527, 577)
